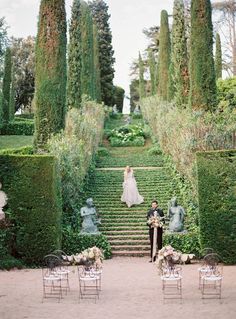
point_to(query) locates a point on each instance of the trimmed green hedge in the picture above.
(34, 203)
(137, 141)
(18, 127)
(73, 243)
(217, 202)
(25, 150)
(185, 242)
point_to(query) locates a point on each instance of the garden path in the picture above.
(131, 289)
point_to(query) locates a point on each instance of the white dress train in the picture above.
(130, 194)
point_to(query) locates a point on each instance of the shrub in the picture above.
(31, 185)
(103, 152)
(227, 93)
(75, 149)
(18, 127)
(186, 242)
(25, 150)
(217, 202)
(155, 150)
(24, 116)
(73, 243)
(137, 141)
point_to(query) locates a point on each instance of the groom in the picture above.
(150, 213)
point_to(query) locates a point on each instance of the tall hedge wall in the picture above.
(34, 203)
(217, 202)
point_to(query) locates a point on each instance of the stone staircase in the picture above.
(125, 227)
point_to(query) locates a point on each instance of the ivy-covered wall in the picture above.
(217, 202)
(34, 204)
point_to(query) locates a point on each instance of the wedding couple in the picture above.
(132, 197)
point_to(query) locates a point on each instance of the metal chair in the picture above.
(211, 278)
(171, 278)
(63, 269)
(89, 282)
(204, 266)
(52, 282)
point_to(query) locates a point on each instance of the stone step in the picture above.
(129, 242)
(127, 253)
(123, 237)
(126, 232)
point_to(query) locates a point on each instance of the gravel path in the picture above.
(131, 288)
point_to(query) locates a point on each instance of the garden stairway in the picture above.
(125, 227)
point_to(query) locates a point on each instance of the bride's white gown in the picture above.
(130, 194)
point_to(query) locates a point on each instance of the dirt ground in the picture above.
(131, 288)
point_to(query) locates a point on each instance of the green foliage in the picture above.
(217, 202)
(36, 216)
(134, 93)
(96, 67)
(181, 133)
(164, 56)
(103, 152)
(101, 18)
(50, 76)
(25, 116)
(186, 243)
(75, 149)
(152, 70)
(226, 90)
(179, 62)
(202, 71)
(87, 47)
(23, 56)
(25, 150)
(142, 92)
(132, 135)
(74, 243)
(155, 150)
(6, 87)
(119, 95)
(74, 58)
(10, 262)
(218, 58)
(18, 127)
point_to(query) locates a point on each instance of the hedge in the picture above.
(18, 127)
(73, 243)
(217, 202)
(34, 204)
(185, 242)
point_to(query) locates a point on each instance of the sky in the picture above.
(128, 19)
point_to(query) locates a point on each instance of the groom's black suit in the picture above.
(160, 213)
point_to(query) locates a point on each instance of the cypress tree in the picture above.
(179, 57)
(142, 93)
(164, 56)
(74, 58)
(152, 70)
(218, 58)
(50, 77)
(101, 18)
(97, 73)
(87, 67)
(202, 71)
(6, 87)
(12, 104)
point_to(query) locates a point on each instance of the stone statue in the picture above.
(114, 109)
(176, 214)
(137, 110)
(3, 202)
(90, 218)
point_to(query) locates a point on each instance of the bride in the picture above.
(130, 194)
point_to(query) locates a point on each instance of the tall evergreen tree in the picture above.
(164, 56)
(142, 92)
(218, 58)
(179, 57)
(74, 58)
(202, 71)
(50, 77)
(87, 67)
(106, 53)
(6, 87)
(152, 70)
(97, 71)
(12, 104)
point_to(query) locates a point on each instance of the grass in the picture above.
(15, 141)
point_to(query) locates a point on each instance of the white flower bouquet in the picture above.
(155, 221)
(168, 257)
(89, 257)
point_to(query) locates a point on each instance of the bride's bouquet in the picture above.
(155, 221)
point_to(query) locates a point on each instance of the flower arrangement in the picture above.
(168, 257)
(131, 135)
(89, 257)
(155, 221)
